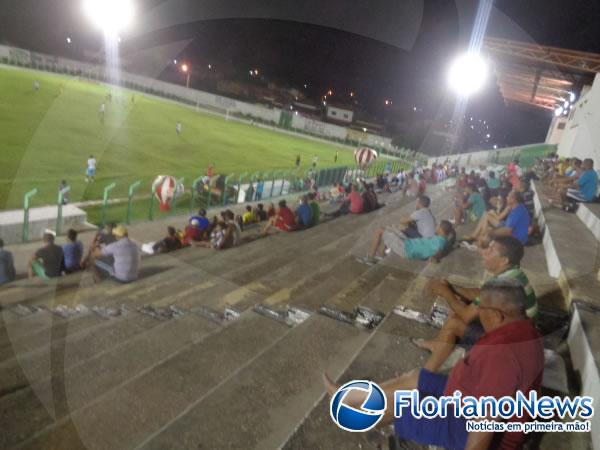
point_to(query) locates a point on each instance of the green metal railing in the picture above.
(132, 190)
(26, 205)
(107, 190)
(59, 213)
(273, 183)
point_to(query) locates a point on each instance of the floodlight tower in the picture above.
(111, 16)
(468, 74)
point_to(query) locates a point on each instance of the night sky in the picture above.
(316, 43)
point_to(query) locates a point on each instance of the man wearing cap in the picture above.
(126, 257)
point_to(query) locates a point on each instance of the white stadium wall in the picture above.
(581, 136)
(556, 130)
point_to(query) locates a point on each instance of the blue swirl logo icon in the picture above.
(350, 418)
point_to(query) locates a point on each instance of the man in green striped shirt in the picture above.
(501, 260)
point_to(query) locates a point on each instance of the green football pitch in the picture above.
(47, 136)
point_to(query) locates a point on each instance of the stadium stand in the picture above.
(184, 357)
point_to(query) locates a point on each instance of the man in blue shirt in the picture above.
(304, 213)
(586, 186)
(516, 224)
(72, 253)
(203, 222)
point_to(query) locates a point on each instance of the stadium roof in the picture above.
(539, 76)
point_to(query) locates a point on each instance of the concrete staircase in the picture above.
(204, 367)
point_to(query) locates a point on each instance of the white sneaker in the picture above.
(470, 247)
(366, 260)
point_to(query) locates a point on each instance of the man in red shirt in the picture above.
(354, 204)
(284, 220)
(507, 359)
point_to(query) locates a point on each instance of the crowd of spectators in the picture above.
(570, 181)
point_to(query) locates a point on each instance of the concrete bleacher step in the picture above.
(123, 409)
(387, 353)
(29, 290)
(75, 383)
(26, 334)
(269, 396)
(572, 250)
(28, 368)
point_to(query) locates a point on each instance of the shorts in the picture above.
(90, 172)
(575, 194)
(473, 333)
(448, 432)
(108, 270)
(412, 232)
(394, 240)
(474, 218)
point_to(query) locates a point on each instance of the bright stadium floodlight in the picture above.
(558, 111)
(111, 16)
(572, 97)
(467, 74)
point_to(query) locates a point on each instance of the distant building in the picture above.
(339, 114)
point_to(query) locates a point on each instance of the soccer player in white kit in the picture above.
(179, 128)
(91, 169)
(102, 111)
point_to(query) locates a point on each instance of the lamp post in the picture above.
(188, 71)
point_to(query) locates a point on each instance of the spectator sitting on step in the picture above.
(193, 234)
(169, 244)
(248, 217)
(502, 261)
(471, 206)
(396, 241)
(284, 220)
(528, 195)
(315, 209)
(126, 254)
(73, 253)
(354, 204)
(370, 201)
(411, 186)
(47, 261)
(565, 176)
(484, 190)
(259, 213)
(492, 225)
(334, 193)
(303, 214)
(585, 188)
(233, 232)
(217, 237)
(106, 236)
(493, 183)
(7, 265)
(509, 358)
(271, 212)
(203, 222)
(421, 222)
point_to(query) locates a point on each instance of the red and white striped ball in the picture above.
(164, 190)
(364, 156)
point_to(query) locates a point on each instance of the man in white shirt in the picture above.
(421, 223)
(91, 169)
(178, 128)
